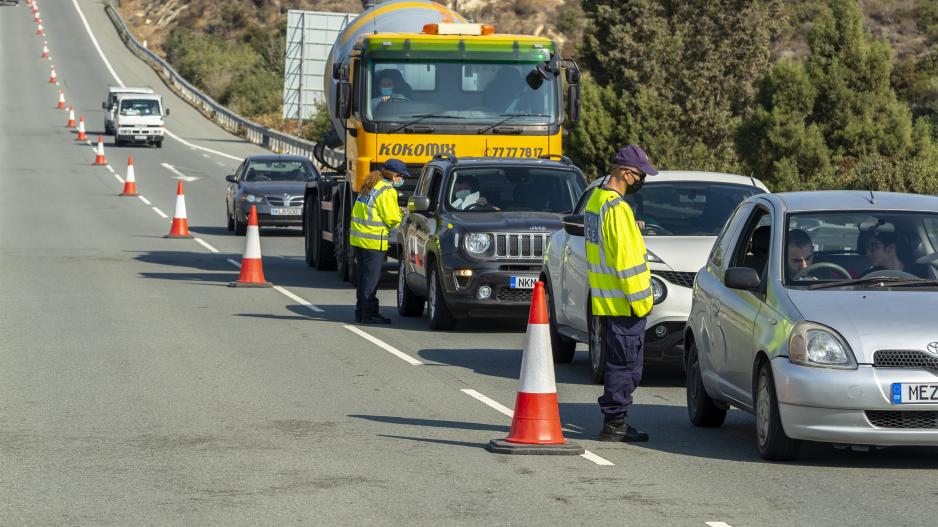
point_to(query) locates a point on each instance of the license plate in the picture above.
(140, 137)
(909, 393)
(522, 282)
(285, 211)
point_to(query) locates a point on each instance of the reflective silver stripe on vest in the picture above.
(379, 237)
(367, 223)
(602, 212)
(618, 293)
(374, 199)
(626, 273)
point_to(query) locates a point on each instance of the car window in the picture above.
(584, 199)
(260, 171)
(687, 208)
(754, 245)
(240, 172)
(436, 181)
(135, 107)
(424, 184)
(514, 189)
(724, 240)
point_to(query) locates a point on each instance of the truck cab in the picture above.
(138, 118)
(110, 103)
(475, 233)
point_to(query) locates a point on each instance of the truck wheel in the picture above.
(342, 249)
(159, 144)
(409, 304)
(440, 315)
(319, 253)
(701, 409)
(773, 443)
(564, 349)
(119, 142)
(240, 229)
(597, 349)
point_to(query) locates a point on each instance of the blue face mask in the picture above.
(398, 184)
(387, 92)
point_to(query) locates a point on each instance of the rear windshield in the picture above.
(140, 107)
(514, 189)
(259, 171)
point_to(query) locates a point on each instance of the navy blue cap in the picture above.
(634, 157)
(397, 166)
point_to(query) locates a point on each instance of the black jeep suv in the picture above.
(474, 237)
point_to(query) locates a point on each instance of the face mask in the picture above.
(387, 92)
(461, 194)
(398, 183)
(634, 187)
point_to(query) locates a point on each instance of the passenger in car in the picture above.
(886, 253)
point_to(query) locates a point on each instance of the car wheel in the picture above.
(563, 348)
(409, 304)
(701, 409)
(240, 229)
(231, 223)
(597, 349)
(773, 444)
(440, 315)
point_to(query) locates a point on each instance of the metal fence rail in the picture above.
(255, 133)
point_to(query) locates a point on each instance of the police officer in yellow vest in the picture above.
(620, 288)
(375, 213)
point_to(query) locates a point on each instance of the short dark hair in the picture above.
(799, 238)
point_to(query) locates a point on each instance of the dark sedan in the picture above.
(274, 184)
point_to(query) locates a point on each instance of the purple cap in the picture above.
(634, 157)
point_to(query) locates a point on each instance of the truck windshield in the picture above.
(686, 208)
(513, 189)
(131, 107)
(484, 92)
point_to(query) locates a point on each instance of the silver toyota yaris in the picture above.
(817, 312)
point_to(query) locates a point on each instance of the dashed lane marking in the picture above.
(108, 167)
(178, 174)
(719, 524)
(117, 177)
(234, 263)
(144, 200)
(499, 407)
(298, 300)
(205, 244)
(158, 211)
(384, 345)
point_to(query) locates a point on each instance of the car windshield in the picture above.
(513, 189)
(477, 93)
(140, 107)
(259, 171)
(686, 208)
(832, 247)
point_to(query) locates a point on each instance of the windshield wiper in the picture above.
(508, 117)
(887, 281)
(421, 117)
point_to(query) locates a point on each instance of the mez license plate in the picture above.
(903, 393)
(285, 211)
(522, 282)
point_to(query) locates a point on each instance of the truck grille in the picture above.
(514, 295)
(520, 245)
(278, 201)
(678, 278)
(908, 359)
(895, 419)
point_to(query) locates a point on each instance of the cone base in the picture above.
(132, 194)
(501, 446)
(250, 284)
(187, 236)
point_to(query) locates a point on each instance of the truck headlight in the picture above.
(659, 291)
(812, 344)
(478, 242)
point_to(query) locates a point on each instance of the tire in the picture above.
(701, 409)
(342, 248)
(119, 142)
(231, 224)
(319, 253)
(159, 144)
(240, 229)
(597, 349)
(771, 440)
(409, 304)
(440, 316)
(563, 348)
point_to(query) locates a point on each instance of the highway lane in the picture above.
(413, 451)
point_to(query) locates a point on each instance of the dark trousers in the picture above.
(369, 264)
(624, 343)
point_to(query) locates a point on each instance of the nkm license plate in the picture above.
(285, 211)
(914, 393)
(522, 282)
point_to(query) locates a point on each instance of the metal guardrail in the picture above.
(255, 133)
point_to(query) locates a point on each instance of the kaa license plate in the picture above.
(285, 211)
(522, 282)
(909, 393)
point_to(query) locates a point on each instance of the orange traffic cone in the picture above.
(53, 79)
(61, 105)
(45, 50)
(82, 136)
(535, 426)
(36, 16)
(252, 272)
(130, 182)
(99, 158)
(40, 30)
(35, 7)
(180, 226)
(71, 117)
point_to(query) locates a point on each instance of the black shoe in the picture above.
(375, 319)
(615, 431)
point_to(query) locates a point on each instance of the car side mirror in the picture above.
(573, 225)
(104, 106)
(744, 278)
(418, 204)
(230, 178)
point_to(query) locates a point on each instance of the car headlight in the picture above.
(478, 242)
(251, 198)
(659, 291)
(652, 257)
(812, 344)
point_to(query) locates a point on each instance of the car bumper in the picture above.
(839, 406)
(463, 299)
(664, 333)
(265, 219)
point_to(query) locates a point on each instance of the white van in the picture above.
(138, 118)
(113, 92)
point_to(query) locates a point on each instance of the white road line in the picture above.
(108, 167)
(499, 407)
(179, 175)
(383, 345)
(298, 300)
(719, 524)
(117, 177)
(234, 263)
(206, 156)
(205, 244)
(158, 211)
(145, 200)
(219, 163)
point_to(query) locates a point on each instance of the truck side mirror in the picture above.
(342, 100)
(418, 204)
(166, 111)
(572, 76)
(104, 106)
(573, 224)
(744, 278)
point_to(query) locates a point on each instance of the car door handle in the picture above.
(715, 310)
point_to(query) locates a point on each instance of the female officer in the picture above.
(375, 213)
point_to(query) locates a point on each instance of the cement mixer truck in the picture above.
(413, 79)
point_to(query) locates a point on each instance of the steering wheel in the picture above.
(657, 228)
(890, 273)
(480, 204)
(800, 275)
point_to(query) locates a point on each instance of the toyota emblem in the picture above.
(933, 348)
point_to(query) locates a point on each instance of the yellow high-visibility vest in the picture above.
(620, 282)
(373, 217)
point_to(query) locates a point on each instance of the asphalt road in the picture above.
(136, 388)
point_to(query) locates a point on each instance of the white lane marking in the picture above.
(145, 200)
(179, 175)
(158, 211)
(383, 345)
(206, 156)
(234, 263)
(205, 244)
(117, 177)
(219, 163)
(88, 142)
(122, 85)
(108, 167)
(497, 406)
(298, 300)
(719, 524)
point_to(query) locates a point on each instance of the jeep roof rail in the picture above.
(563, 159)
(450, 157)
